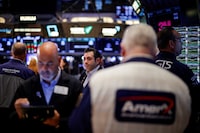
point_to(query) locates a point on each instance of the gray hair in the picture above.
(139, 35)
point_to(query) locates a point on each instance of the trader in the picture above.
(51, 87)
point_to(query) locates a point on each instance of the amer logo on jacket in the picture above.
(145, 106)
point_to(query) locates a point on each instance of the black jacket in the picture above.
(64, 104)
(168, 61)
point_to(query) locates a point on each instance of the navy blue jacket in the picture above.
(12, 74)
(168, 61)
(16, 68)
(63, 103)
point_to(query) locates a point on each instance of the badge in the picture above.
(61, 90)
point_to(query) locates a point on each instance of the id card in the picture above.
(63, 90)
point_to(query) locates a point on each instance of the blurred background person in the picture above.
(12, 73)
(64, 65)
(33, 65)
(136, 96)
(170, 46)
(92, 62)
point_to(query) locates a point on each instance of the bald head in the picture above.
(18, 50)
(139, 39)
(48, 61)
(48, 48)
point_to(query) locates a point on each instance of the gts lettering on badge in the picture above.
(164, 64)
(145, 106)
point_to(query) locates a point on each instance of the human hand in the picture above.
(53, 121)
(18, 106)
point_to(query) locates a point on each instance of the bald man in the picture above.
(16, 65)
(51, 87)
(12, 73)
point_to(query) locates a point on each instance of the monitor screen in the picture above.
(88, 5)
(108, 45)
(27, 29)
(32, 42)
(53, 30)
(125, 12)
(80, 44)
(160, 19)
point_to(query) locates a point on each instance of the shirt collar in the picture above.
(94, 70)
(167, 55)
(18, 60)
(141, 59)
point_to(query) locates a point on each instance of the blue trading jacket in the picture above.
(16, 68)
(168, 61)
(12, 74)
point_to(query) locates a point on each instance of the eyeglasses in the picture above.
(179, 39)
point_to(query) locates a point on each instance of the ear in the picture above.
(98, 60)
(122, 51)
(172, 44)
(59, 58)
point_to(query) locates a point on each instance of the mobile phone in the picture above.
(38, 112)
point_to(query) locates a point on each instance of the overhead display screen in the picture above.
(78, 45)
(52, 30)
(125, 12)
(160, 19)
(108, 45)
(90, 5)
(32, 42)
(27, 30)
